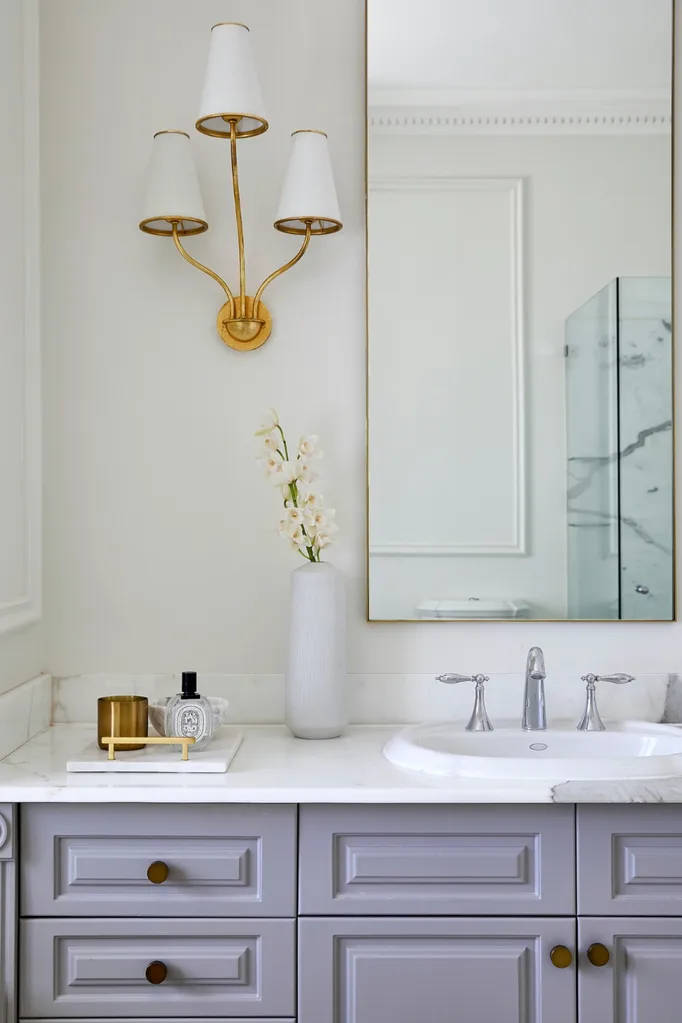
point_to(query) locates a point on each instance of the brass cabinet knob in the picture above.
(156, 972)
(598, 954)
(561, 957)
(157, 872)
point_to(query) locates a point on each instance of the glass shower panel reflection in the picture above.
(619, 452)
(645, 464)
(592, 443)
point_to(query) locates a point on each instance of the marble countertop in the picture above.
(273, 767)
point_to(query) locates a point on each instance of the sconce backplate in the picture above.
(254, 330)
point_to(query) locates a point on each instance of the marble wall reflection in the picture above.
(646, 479)
(619, 442)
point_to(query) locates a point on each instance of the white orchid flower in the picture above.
(306, 473)
(291, 471)
(268, 423)
(308, 447)
(285, 474)
(272, 441)
(298, 537)
(323, 539)
(315, 520)
(305, 524)
(295, 515)
(271, 464)
(310, 500)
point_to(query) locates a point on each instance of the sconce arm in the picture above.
(200, 266)
(287, 266)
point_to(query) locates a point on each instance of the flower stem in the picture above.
(284, 442)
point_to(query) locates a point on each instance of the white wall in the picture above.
(20, 633)
(160, 553)
(595, 207)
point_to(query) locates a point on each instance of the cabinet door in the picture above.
(642, 981)
(405, 969)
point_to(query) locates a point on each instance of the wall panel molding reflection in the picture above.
(20, 458)
(462, 231)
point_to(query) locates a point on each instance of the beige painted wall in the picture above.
(160, 551)
(21, 634)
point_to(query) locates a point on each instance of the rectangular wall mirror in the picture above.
(520, 350)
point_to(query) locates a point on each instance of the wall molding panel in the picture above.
(514, 509)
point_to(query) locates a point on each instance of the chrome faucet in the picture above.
(534, 717)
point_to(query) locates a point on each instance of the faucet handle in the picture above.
(479, 720)
(451, 679)
(591, 720)
(618, 679)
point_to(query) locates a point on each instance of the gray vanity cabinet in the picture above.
(642, 981)
(394, 914)
(8, 914)
(401, 970)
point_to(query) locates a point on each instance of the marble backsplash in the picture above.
(376, 699)
(24, 712)
(379, 698)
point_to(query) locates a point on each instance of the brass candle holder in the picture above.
(120, 716)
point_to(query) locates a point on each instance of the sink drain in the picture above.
(538, 745)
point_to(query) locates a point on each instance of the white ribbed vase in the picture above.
(316, 699)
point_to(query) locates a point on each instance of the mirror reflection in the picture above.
(519, 308)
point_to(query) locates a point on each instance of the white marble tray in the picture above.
(161, 759)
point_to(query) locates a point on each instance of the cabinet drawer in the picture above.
(443, 860)
(92, 860)
(630, 860)
(76, 968)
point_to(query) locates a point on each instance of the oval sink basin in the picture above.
(630, 749)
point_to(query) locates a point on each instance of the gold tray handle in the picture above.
(111, 741)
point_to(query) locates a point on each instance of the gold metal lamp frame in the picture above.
(244, 321)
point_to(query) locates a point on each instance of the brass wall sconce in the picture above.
(173, 204)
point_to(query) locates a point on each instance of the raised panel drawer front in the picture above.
(444, 860)
(93, 860)
(630, 860)
(212, 968)
(406, 970)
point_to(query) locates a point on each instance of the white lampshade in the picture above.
(308, 192)
(172, 188)
(231, 88)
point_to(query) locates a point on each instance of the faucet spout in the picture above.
(534, 714)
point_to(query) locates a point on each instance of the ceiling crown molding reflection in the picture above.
(427, 112)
